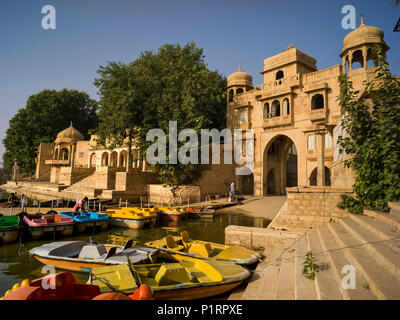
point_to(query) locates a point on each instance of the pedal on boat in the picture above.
(81, 256)
(82, 221)
(186, 280)
(8, 229)
(183, 248)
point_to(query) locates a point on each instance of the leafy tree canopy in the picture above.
(172, 84)
(44, 116)
(373, 127)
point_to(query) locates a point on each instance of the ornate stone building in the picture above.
(295, 115)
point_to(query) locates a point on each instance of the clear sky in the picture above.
(91, 32)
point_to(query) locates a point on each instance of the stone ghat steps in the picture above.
(84, 187)
(368, 245)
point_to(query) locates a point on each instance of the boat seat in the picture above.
(201, 248)
(171, 243)
(186, 239)
(171, 273)
(93, 251)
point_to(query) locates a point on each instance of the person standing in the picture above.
(81, 204)
(232, 192)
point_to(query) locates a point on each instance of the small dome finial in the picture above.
(239, 67)
(362, 19)
(71, 124)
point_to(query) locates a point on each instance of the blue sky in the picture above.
(91, 32)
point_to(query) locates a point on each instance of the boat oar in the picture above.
(93, 277)
(133, 271)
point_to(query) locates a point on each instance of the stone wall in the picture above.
(309, 207)
(252, 237)
(134, 182)
(71, 175)
(159, 193)
(42, 169)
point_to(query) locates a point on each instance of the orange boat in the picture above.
(62, 286)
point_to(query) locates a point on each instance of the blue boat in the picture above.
(82, 221)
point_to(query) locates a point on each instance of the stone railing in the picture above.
(278, 121)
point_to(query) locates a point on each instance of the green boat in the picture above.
(8, 229)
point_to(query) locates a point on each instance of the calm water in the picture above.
(16, 264)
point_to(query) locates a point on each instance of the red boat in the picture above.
(172, 214)
(39, 224)
(62, 286)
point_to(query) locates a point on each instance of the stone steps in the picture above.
(382, 284)
(395, 209)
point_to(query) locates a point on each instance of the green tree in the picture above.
(172, 84)
(373, 127)
(179, 87)
(120, 106)
(46, 114)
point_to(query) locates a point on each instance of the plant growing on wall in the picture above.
(372, 123)
(309, 266)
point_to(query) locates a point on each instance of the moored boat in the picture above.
(83, 221)
(201, 212)
(81, 256)
(131, 217)
(8, 229)
(186, 280)
(181, 248)
(38, 224)
(172, 214)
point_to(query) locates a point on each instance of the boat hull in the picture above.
(8, 236)
(71, 265)
(127, 223)
(80, 227)
(167, 217)
(196, 293)
(39, 232)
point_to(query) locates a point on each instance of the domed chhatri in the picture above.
(69, 135)
(364, 35)
(240, 78)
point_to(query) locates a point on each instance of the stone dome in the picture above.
(363, 34)
(240, 78)
(69, 135)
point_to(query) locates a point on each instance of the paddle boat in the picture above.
(83, 221)
(186, 280)
(172, 214)
(81, 256)
(201, 212)
(181, 248)
(62, 286)
(132, 217)
(37, 225)
(8, 229)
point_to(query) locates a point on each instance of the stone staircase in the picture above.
(369, 243)
(84, 187)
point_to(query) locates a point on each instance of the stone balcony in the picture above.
(278, 121)
(318, 114)
(57, 162)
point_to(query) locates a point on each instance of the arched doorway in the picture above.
(104, 159)
(93, 160)
(247, 184)
(122, 158)
(64, 154)
(313, 177)
(113, 159)
(280, 167)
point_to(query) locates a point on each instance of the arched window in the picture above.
(243, 116)
(64, 154)
(279, 75)
(231, 95)
(56, 155)
(357, 61)
(93, 160)
(285, 107)
(266, 111)
(310, 142)
(317, 102)
(370, 60)
(275, 109)
(240, 90)
(104, 159)
(113, 159)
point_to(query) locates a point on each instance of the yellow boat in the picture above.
(183, 248)
(173, 281)
(132, 217)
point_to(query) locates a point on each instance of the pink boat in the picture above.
(40, 224)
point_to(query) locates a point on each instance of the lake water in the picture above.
(16, 264)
